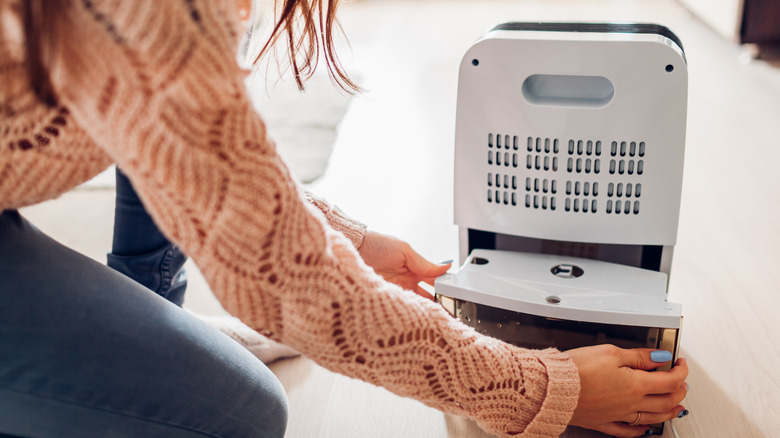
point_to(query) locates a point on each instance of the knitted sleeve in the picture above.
(339, 221)
(160, 91)
(42, 151)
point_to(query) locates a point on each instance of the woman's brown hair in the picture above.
(307, 25)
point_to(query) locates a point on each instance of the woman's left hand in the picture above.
(398, 263)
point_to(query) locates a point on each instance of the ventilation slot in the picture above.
(627, 167)
(539, 193)
(583, 156)
(622, 207)
(502, 150)
(540, 202)
(620, 190)
(542, 154)
(581, 196)
(501, 188)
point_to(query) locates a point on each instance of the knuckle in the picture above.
(640, 359)
(670, 404)
(610, 350)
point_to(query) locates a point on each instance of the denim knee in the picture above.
(275, 403)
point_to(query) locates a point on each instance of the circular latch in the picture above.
(567, 271)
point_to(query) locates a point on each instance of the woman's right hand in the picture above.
(617, 385)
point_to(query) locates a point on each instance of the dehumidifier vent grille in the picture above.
(539, 174)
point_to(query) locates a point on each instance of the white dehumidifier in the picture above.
(569, 154)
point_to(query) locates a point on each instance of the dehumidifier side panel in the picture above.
(571, 140)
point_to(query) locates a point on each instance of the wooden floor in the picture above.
(392, 168)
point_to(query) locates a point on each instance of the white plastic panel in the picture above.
(606, 172)
(604, 292)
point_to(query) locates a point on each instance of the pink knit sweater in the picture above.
(154, 87)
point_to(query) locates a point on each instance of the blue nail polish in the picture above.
(683, 413)
(445, 262)
(660, 356)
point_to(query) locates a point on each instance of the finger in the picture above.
(423, 293)
(664, 402)
(645, 358)
(431, 280)
(657, 417)
(662, 382)
(422, 267)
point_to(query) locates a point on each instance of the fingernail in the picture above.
(683, 413)
(660, 356)
(446, 262)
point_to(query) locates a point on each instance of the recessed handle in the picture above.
(568, 90)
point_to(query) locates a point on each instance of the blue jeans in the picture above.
(87, 352)
(140, 250)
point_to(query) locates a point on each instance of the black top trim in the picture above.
(593, 28)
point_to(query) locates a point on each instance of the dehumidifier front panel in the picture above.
(573, 137)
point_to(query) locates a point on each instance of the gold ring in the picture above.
(636, 421)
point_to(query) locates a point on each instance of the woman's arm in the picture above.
(159, 89)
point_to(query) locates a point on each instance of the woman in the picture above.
(154, 87)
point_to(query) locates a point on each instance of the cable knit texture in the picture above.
(154, 87)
